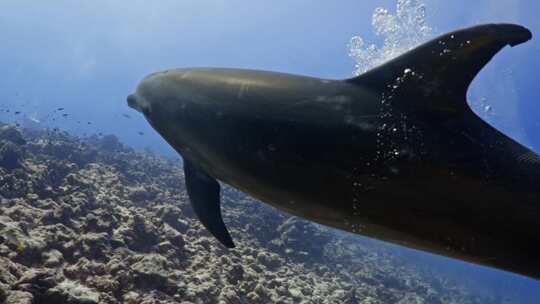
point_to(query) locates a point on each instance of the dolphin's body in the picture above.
(395, 154)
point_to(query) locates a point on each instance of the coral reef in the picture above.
(92, 221)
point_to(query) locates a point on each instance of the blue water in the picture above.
(503, 286)
(86, 57)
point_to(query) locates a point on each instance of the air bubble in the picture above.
(400, 32)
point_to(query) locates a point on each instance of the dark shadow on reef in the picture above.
(88, 220)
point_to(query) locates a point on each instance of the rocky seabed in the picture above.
(88, 220)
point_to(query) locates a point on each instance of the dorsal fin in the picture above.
(439, 72)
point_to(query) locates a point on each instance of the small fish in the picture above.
(126, 116)
(140, 133)
(65, 115)
(60, 109)
(17, 113)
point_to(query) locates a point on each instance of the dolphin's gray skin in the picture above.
(395, 154)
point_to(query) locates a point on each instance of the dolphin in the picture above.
(395, 153)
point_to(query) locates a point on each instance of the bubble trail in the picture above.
(400, 32)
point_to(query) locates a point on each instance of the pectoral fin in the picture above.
(203, 191)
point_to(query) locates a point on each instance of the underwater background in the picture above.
(87, 217)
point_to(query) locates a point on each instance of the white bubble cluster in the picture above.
(401, 32)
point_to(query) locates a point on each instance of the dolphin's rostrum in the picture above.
(395, 153)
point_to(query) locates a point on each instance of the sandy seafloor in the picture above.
(89, 220)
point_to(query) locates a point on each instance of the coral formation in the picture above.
(92, 221)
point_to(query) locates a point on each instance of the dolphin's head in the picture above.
(160, 93)
(162, 98)
(151, 96)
